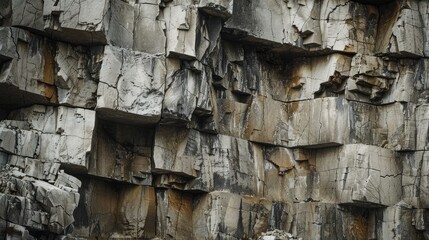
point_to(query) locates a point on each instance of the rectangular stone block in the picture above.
(299, 184)
(181, 26)
(396, 222)
(131, 86)
(209, 162)
(358, 174)
(27, 66)
(22, 142)
(149, 33)
(122, 152)
(75, 80)
(174, 214)
(181, 96)
(399, 119)
(319, 122)
(265, 121)
(59, 134)
(415, 182)
(236, 216)
(87, 19)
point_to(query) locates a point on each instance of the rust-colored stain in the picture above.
(295, 76)
(293, 107)
(51, 93)
(48, 66)
(294, 83)
(359, 228)
(48, 75)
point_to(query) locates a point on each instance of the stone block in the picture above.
(27, 66)
(87, 19)
(236, 216)
(358, 174)
(181, 96)
(396, 223)
(265, 121)
(131, 86)
(174, 214)
(149, 36)
(56, 134)
(76, 83)
(181, 30)
(209, 162)
(318, 122)
(415, 182)
(122, 153)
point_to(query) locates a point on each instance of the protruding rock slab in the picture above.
(131, 86)
(358, 174)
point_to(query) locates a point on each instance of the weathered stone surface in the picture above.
(317, 122)
(297, 184)
(63, 134)
(107, 210)
(225, 215)
(37, 70)
(265, 122)
(401, 221)
(122, 152)
(131, 86)
(359, 174)
(308, 25)
(422, 124)
(181, 24)
(27, 69)
(334, 121)
(309, 78)
(214, 119)
(409, 22)
(213, 162)
(37, 204)
(77, 76)
(219, 8)
(66, 19)
(149, 36)
(174, 214)
(181, 96)
(27, 13)
(415, 182)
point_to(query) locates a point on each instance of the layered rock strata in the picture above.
(214, 119)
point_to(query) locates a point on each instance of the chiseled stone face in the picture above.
(214, 119)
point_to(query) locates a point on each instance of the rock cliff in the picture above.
(214, 119)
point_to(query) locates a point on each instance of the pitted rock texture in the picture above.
(214, 119)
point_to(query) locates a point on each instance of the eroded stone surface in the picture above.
(214, 119)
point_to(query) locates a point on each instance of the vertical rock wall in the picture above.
(214, 119)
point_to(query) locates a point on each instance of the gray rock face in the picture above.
(137, 82)
(214, 119)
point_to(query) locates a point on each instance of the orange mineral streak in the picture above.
(50, 90)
